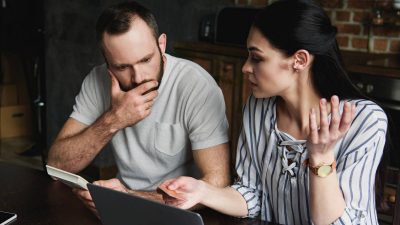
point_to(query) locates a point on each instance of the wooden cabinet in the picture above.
(225, 65)
(396, 219)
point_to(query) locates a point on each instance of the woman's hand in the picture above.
(189, 190)
(321, 141)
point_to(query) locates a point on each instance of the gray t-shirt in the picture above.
(188, 114)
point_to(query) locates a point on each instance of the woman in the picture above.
(303, 156)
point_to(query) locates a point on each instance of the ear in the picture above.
(302, 60)
(162, 42)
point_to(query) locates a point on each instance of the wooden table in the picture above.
(38, 200)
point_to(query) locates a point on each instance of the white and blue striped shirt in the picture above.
(274, 181)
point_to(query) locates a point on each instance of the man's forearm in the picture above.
(218, 179)
(152, 195)
(74, 153)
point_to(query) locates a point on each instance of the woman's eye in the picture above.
(255, 59)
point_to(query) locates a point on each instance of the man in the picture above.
(160, 114)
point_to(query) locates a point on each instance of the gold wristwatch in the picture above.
(323, 169)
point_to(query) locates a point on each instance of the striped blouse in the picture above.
(274, 181)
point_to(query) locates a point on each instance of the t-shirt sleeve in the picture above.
(88, 106)
(358, 163)
(206, 120)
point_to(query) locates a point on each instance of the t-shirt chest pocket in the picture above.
(170, 139)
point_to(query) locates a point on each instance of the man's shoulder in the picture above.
(98, 70)
(97, 74)
(189, 75)
(97, 80)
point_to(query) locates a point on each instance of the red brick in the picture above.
(385, 31)
(360, 4)
(362, 16)
(343, 41)
(331, 3)
(359, 43)
(366, 30)
(394, 46)
(343, 16)
(380, 45)
(348, 28)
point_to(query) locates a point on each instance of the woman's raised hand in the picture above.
(321, 141)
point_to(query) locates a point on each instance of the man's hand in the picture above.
(86, 198)
(132, 106)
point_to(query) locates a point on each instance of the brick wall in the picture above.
(352, 17)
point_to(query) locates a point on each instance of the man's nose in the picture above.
(136, 77)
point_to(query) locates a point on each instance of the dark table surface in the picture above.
(38, 200)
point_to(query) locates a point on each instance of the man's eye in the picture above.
(122, 68)
(146, 60)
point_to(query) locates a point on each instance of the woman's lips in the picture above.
(253, 85)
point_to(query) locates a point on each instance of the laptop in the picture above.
(119, 208)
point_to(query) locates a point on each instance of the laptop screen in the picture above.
(118, 208)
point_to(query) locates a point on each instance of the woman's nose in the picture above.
(246, 68)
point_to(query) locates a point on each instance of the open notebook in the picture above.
(67, 178)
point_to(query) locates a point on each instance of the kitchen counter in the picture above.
(356, 62)
(387, 65)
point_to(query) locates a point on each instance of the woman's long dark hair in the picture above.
(291, 25)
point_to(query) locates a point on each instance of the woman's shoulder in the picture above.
(368, 108)
(369, 114)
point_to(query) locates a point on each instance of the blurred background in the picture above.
(48, 47)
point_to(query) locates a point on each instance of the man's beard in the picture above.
(159, 78)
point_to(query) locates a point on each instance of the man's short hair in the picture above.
(117, 19)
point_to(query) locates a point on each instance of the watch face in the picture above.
(324, 171)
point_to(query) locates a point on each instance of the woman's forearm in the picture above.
(225, 200)
(327, 202)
